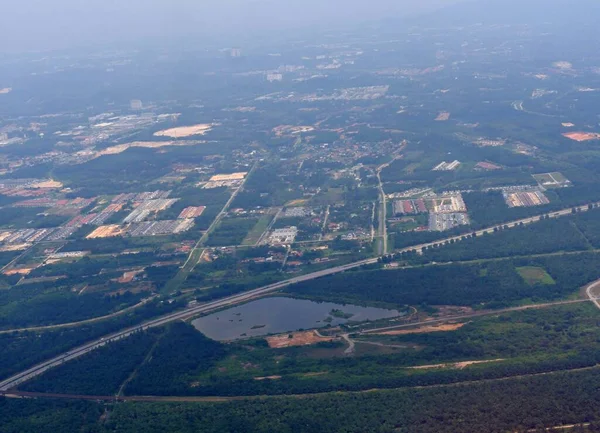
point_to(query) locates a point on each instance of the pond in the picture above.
(280, 314)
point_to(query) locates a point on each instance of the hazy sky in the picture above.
(44, 24)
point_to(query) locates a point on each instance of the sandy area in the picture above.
(185, 131)
(425, 329)
(109, 231)
(457, 365)
(120, 148)
(304, 338)
(15, 247)
(232, 176)
(19, 271)
(582, 136)
(443, 116)
(49, 184)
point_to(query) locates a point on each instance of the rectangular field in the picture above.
(257, 231)
(534, 275)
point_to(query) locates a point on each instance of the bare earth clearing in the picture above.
(185, 131)
(457, 365)
(304, 338)
(425, 329)
(120, 148)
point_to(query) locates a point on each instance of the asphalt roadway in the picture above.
(39, 369)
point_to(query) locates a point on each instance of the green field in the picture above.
(534, 275)
(254, 235)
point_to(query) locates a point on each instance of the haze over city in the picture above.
(43, 24)
(308, 216)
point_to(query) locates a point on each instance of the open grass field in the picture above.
(534, 275)
(257, 231)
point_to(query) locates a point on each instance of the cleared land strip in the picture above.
(476, 314)
(225, 399)
(39, 369)
(82, 322)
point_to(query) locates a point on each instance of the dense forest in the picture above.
(491, 284)
(519, 405)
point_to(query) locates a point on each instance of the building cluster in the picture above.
(525, 199)
(446, 166)
(14, 240)
(147, 208)
(283, 236)
(409, 207)
(445, 221)
(296, 212)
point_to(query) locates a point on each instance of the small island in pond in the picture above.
(340, 314)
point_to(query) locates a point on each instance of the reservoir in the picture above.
(281, 314)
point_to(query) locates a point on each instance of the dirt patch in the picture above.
(443, 116)
(305, 338)
(582, 136)
(225, 177)
(298, 202)
(14, 247)
(425, 329)
(128, 276)
(455, 365)
(120, 148)
(109, 231)
(49, 184)
(19, 271)
(268, 378)
(185, 131)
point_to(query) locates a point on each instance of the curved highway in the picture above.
(39, 369)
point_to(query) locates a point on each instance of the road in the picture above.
(589, 291)
(382, 214)
(37, 370)
(82, 322)
(198, 249)
(383, 203)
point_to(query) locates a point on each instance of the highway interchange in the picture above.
(230, 301)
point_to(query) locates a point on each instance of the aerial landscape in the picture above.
(392, 227)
